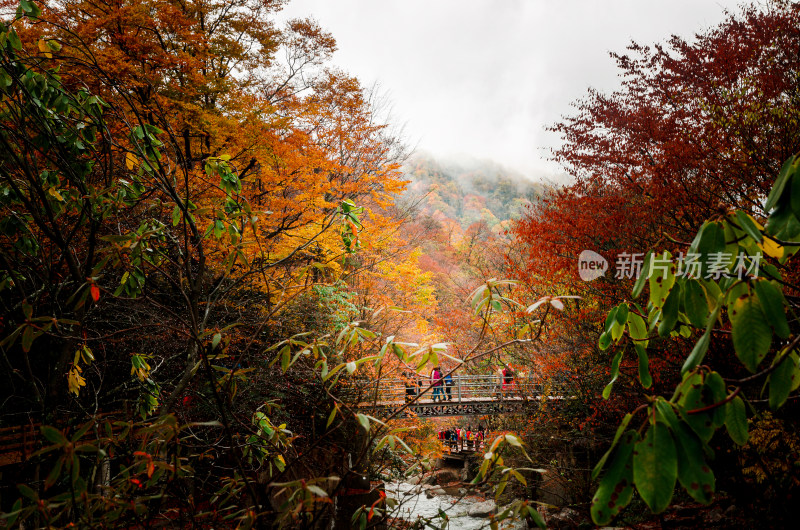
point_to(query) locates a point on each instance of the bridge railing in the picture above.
(465, 388)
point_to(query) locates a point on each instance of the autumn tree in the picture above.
(697, 126)
(698, 129)
(170, 190)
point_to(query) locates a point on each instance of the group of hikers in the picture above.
(442, 383)
(461, 438)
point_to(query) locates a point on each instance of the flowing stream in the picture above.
(414, 504)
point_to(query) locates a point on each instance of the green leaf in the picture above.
(719, 393)
(82, 431)
(285, 355)
(642, 279)
(694, 395)
(54, 474)
(780, 184)
(27, 338)
(611, 318)
(13, 38)
(790, 232)
(398, 351)
(796, 379)
(695, 304)
(644, 371)
(621, 429)
(364, 421)
(537, 517)
(622, 313)
(351, 367)
(53, 435)
(616, 487)
(698, 352)
(637, 328)
(771, 299)
(614, 374)
(710, 240)
(616, 331)
(781, 381)
(779, 218)
(655, 467)
(16, 509)
(666, 414)
(605, 341)
(33, 10)
(27, 492)
(694, 474)
(216, 340)
(736, 420)
(662, 279)
(713, 294)
(748, 226)
(669, 313)
(731, 244)
(750, 331)
(795, 197)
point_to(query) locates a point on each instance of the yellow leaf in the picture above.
(75, 380)
(771, 248)
(131, 161)
(53, 192)
(45, 49)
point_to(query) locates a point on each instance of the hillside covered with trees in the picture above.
(469, 191)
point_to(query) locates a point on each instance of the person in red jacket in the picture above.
(436, 383)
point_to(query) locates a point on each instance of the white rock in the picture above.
(437, 490)
(482, 509)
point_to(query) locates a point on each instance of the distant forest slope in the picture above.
(469, 191)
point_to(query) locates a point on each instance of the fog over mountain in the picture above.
(468, 190)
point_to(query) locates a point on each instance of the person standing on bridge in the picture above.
(436, 383)
(508, 379)
(410, 381)
(448, 383)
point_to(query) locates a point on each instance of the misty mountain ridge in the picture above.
(469, 190)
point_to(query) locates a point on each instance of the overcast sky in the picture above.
(485, 77)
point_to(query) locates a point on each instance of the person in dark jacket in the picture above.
(448, 384)
(410, 381)
(508, 379)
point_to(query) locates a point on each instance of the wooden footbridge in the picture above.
(468, 395)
